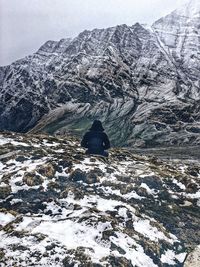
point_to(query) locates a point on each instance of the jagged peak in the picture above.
(104, 35)
(121, 27)
(49, 45)
(138, 25)
(87, 33)
(54, 46)
(140, 28)
(190, 9)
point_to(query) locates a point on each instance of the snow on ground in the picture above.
(144, 227)
(61, 215)
(5, 218)
(4, 141)
(169, 257)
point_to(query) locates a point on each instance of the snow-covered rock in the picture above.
(60, 207)
(193, 258)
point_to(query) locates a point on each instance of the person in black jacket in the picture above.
(96, 140)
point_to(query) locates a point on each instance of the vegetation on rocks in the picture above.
(60, 207)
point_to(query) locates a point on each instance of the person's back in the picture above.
(96, 140)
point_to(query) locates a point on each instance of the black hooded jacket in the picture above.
(96, 140)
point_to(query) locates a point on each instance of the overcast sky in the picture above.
(26, 24)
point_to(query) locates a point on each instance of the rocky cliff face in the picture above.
(60, 207)
(179, 32)
(142, 83)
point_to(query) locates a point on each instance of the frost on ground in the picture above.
(60, 207)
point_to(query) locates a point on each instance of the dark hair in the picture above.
(97, 126)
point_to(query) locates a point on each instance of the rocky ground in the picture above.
(60, 207)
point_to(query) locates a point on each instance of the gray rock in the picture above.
(193, 259)
(124, 210)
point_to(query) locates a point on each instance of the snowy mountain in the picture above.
(180, 33)
(142, 82)
(60, 207)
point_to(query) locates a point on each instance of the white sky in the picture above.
(26, 24)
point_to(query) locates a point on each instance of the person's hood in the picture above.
(97, 126)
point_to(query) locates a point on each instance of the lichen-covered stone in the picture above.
(53, 186)
(2, 254)
(133, 207)
(72, 190)
(6, 178)
(21, 158)
(193, 258)
(119, 262)
(77, 176)
(194, 171)
(47, 170)
(125, 189)
(192, 188)
(5, 191)
(32, 179)
(92, 177)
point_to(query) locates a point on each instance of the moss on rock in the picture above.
(5, 191)
(32, 179)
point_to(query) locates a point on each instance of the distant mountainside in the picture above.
(142, 82)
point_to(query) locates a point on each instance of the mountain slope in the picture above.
(143, 84)
(60, 207)
(180, 33)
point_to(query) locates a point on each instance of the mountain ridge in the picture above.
(134, 79)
